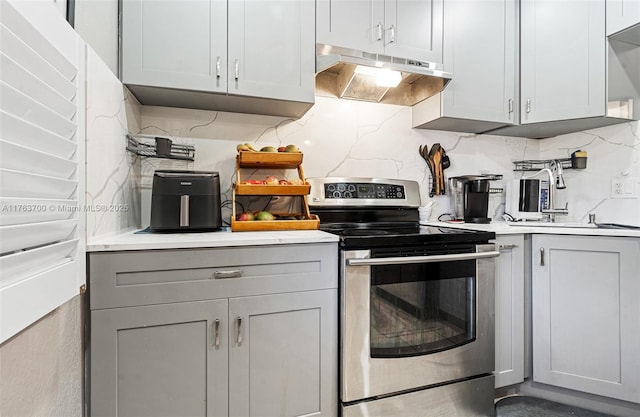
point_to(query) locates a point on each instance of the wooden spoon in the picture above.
(437, 161)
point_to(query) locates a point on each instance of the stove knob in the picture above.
(331, 187)
(351, 188)
(347, 194)
(341, 187)
(336, 194)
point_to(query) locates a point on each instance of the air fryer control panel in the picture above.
(364, 190)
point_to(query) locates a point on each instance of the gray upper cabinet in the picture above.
(480, 49)
(271, 49)
(563, 57)
(175, 44)
(622, 14)
(402, 28)
(257, 57)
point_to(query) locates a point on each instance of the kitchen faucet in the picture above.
(551, 212)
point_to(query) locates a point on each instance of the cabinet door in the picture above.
(480, 50)
(510, 310)
(622, 14)
(585, 314)
(272, 49)
(354, 24)
(160, 360)
(283, 355)
(175, 44)
(563, 56)
(413, 29)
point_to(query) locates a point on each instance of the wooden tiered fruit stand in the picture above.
(272, 160)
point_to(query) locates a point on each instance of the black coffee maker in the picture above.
(470, 197)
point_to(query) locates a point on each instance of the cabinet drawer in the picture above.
(132, 278)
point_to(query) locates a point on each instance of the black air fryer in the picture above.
(185, 201)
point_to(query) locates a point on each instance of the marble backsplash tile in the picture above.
(338, 138)
(613, 153)
(110, 186)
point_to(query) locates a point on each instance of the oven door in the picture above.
(415, 317)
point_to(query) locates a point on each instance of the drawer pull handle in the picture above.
(506, 247)
(234, 273)
(541, 256)
(216, 342)
(239, 339)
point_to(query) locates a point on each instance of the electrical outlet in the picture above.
(624, 188)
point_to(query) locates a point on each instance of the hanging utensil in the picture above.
(446, 163)
(434, 169)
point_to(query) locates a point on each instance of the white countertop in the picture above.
(503, 228)
(137, 240)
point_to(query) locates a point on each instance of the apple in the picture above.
(271, 180)
(245, 216)
(282, 149)
(283, 182)
(264, 215)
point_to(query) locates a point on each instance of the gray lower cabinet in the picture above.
(585, 314)
(510, 310)
(160, 360)
(248, 331)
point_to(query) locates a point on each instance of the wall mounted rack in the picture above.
(160, 148)
(537, 164)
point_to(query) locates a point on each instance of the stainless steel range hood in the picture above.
(339, 73)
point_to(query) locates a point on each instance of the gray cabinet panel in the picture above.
(562, 54)
(585, 313)
(124, 279)
(510, 301)
(480, 50)
(413, 29)
(174, 44)
(160, 360)
(622, 14)
(355, 24)
(402, 28)
(272, 49)
(283, 355)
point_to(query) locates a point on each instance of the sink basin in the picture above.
(556, 224)
(617, 226)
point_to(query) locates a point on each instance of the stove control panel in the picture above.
(364, 190)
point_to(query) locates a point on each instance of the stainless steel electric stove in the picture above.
(416, 303)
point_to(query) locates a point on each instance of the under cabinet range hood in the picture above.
(358, 75)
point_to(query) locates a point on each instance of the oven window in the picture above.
(418, 309)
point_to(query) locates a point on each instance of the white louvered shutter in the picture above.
(42, 114)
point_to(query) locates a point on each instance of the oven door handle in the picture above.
(422, 259)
